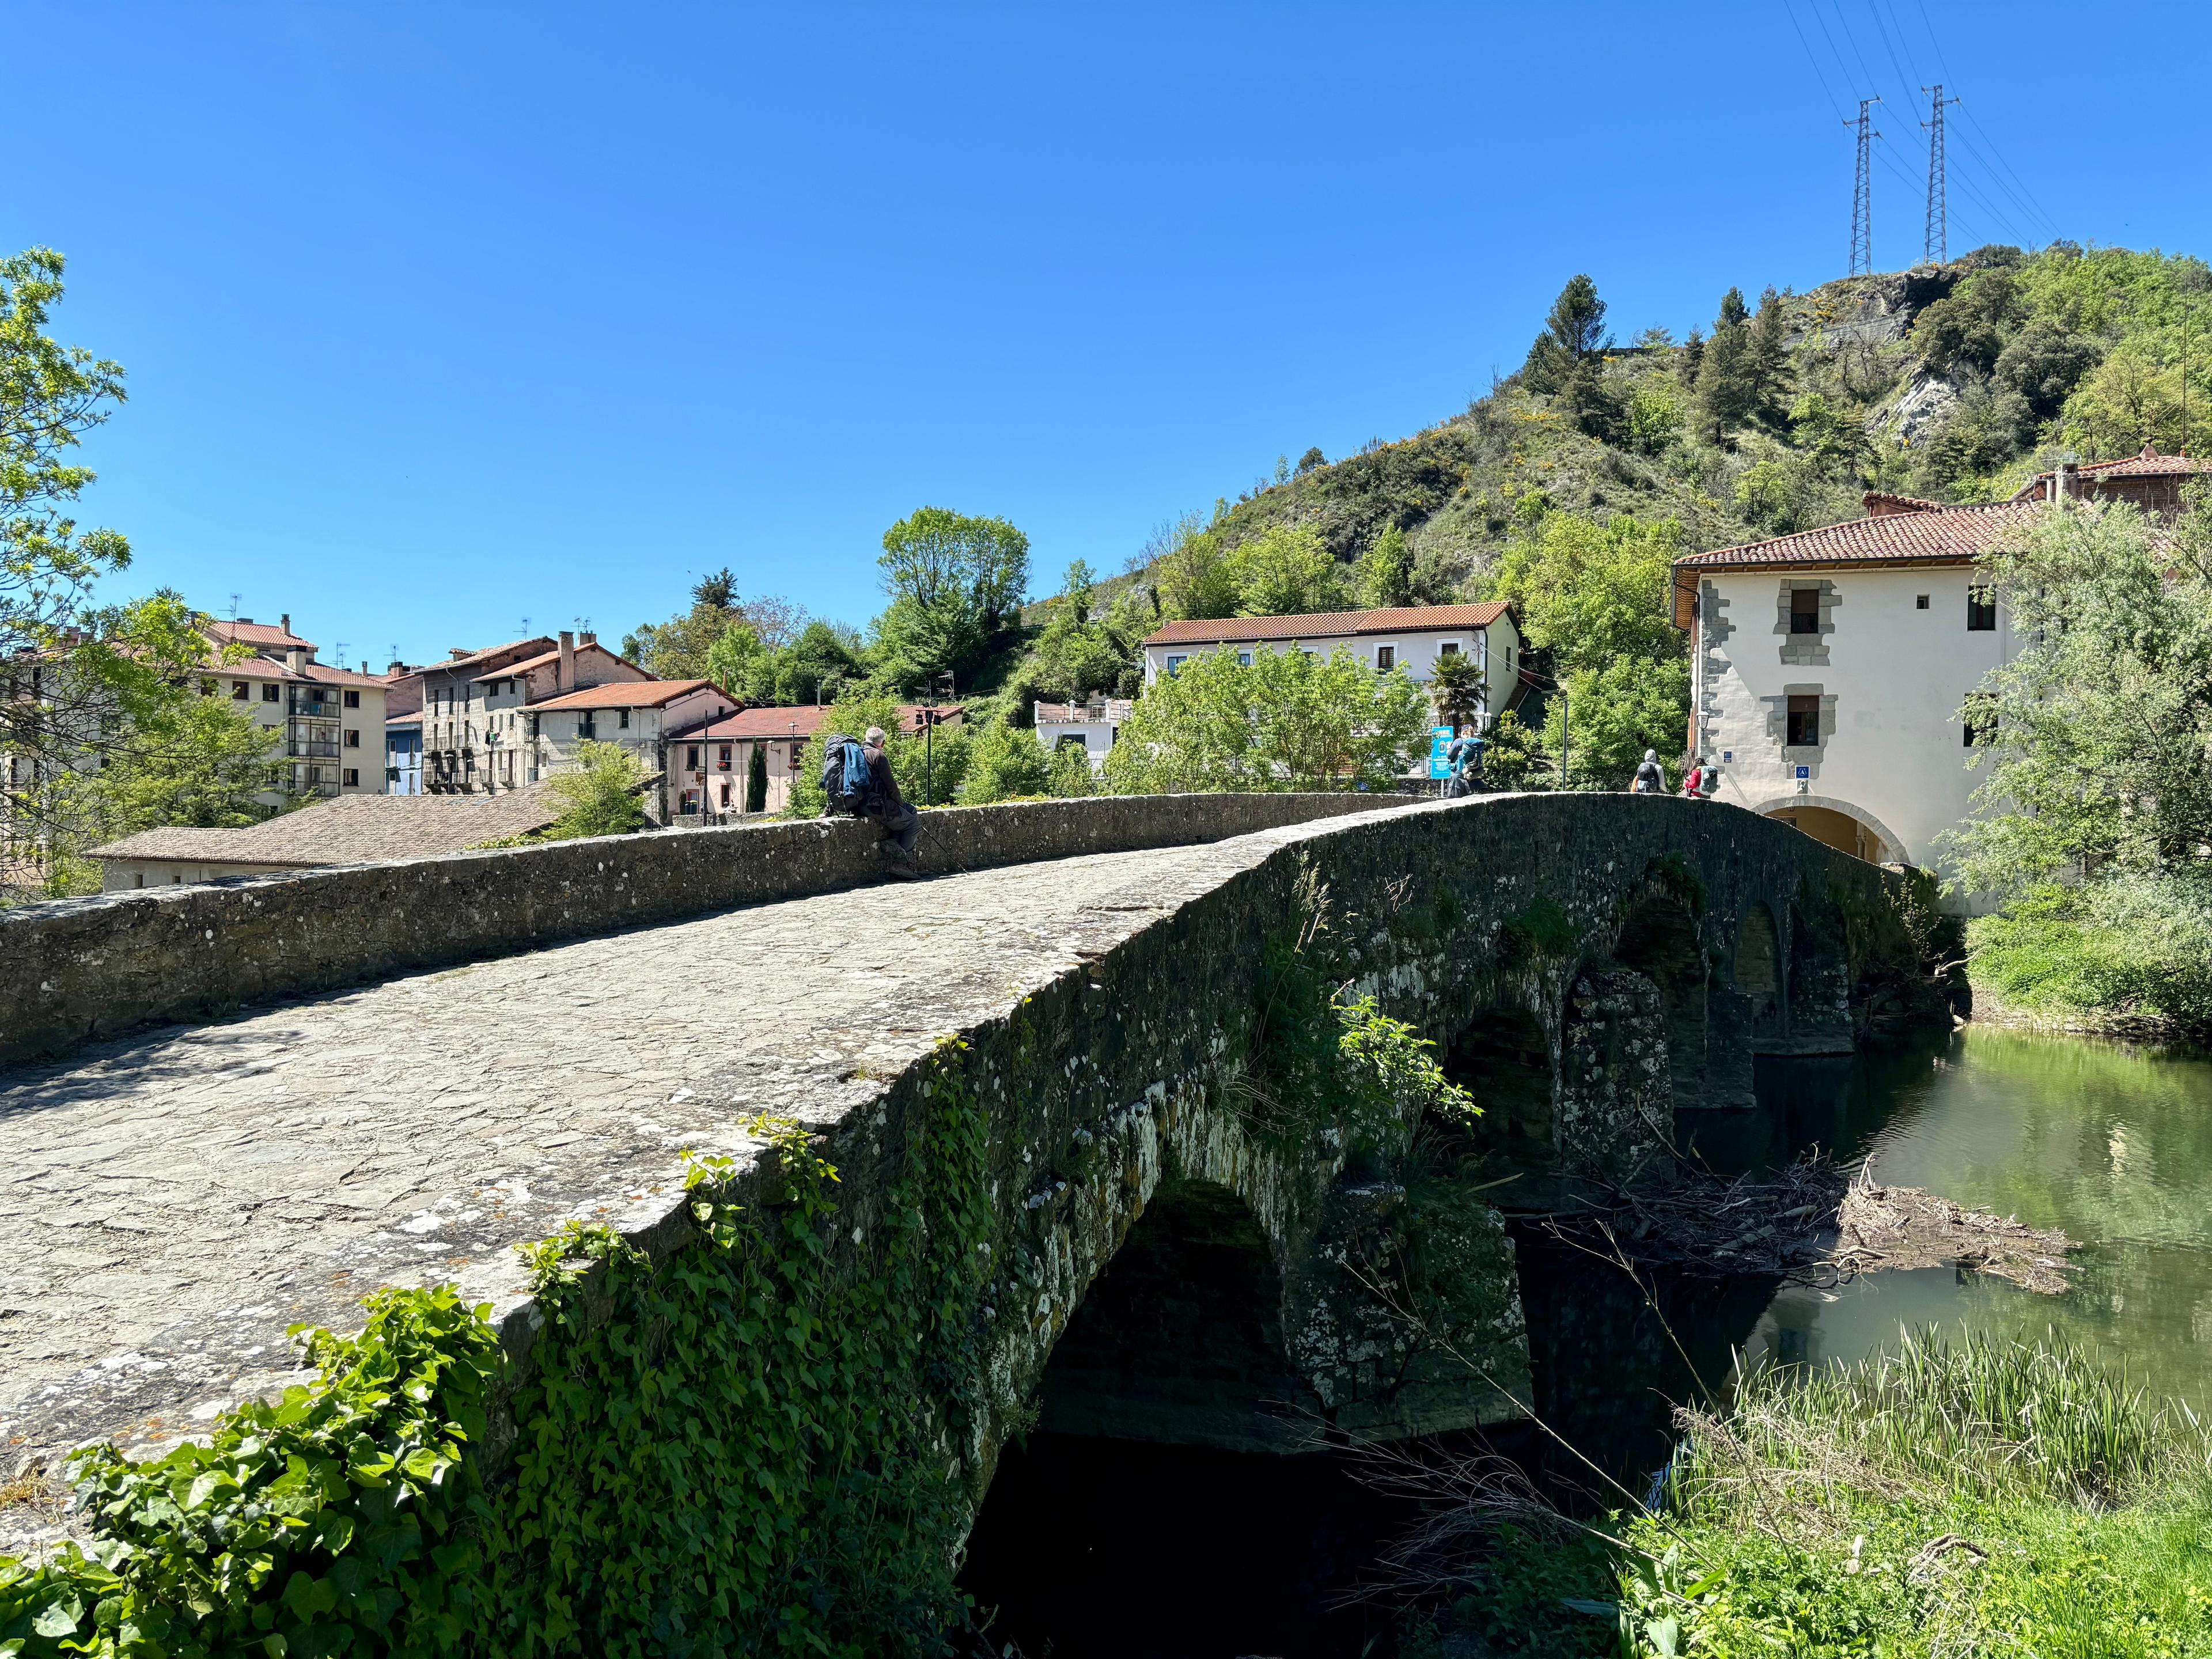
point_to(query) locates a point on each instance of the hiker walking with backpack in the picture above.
(1650, 776)
(857, 779)
(1464, 756)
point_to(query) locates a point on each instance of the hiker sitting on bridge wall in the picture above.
(856, 778)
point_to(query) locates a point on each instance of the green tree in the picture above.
(2102, 757)
(76, 676)
(191, 762)
(1006, 763)
(600, 795)
(1728, 376)
(756, 779)
(1285, 571)
(956, 584)
(742, 665)
(1082, 651)
(1386, 570)
(682, 648)
(1287, 720)
(1195, 577)
(1594, 596)
(1566, 361)
(1457, 690)
(1071, 775)
(1514, 759)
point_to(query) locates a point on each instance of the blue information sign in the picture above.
(1804, 771)
(1439, 737)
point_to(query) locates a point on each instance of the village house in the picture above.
(638, 715)
(710, 762)
(1833, 671)
(1413, 640)
(1094, 725)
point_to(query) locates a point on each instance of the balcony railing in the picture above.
(317, 749)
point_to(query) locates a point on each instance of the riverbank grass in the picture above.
(1939, 1499)
(2128, 955)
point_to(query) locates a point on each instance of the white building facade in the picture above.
(1413, 640)
(1832, 672)
(1094, 725)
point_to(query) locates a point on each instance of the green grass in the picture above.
(2121, 952)
(1942, 1498)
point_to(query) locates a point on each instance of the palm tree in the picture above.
(1456, 688)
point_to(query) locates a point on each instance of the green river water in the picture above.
(2111, 1142)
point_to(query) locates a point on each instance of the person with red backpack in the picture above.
(857, 781)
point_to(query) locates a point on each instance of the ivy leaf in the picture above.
(59, 1618)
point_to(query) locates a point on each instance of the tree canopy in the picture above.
(956, 584)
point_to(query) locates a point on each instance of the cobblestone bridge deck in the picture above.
(170, 1204)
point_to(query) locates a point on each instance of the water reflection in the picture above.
(2110, 1141)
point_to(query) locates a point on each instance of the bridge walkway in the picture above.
(171, 1202)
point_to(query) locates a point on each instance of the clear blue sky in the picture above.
(436, 318)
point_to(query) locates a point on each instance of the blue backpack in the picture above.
(845, 777)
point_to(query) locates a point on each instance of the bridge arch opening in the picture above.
(1180, 1340)
(1818, 990)
(1842, 824)
(1660, 940)
(1503, 1059)
(1758, 970)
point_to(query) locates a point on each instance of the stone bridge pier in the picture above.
(1184, 1243)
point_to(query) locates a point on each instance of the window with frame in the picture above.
(1386, 658)
(1803, 721)
(1981, 610)
(1449, 649)
(353, 737)
(1243, 659)
(1174, 662)
(691, 754)
(240, 691)
(722, 761)
(272, 694)
(353, 699)
(1804, 610)
(352, 777)
(1919, 601)
(622, 720)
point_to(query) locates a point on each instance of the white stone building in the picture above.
(1830, 668)
(474, 703)
(1095, 725)
(639, 715)
(1411, 639)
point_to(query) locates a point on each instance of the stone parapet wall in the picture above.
(76, 971)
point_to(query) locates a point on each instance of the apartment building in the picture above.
(330, 721)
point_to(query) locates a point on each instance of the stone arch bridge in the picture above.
(467, 1051)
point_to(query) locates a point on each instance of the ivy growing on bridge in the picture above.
(751, 1451)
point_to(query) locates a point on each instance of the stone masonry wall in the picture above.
(76, 970)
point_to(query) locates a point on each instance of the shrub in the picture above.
(599, 797)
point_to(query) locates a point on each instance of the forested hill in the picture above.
(1953, 382)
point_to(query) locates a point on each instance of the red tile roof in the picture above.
(550, 657)
(323, 674)
(1331, 624)
(2146, 463)
(1950, 535)
(260, 635)
(1880, 504)
(624, 694)
(541, 643)
(803, 720)
(413, 717)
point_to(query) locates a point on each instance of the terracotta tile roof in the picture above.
(1331, 624)
(2146, 463)
(260, 635)
(1950, 535)
(547, 659)
(323, 674)
(803, 720)
(1880, 504)
(414, 717)
(477, 658)
(624, 694)
(352, 829)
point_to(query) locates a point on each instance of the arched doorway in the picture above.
(1659, 940)
(1838, 824)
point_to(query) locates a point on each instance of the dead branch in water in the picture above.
(1812, 1224)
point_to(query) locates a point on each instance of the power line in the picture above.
(1862, 191)
(1935, 238)
(1818, 74)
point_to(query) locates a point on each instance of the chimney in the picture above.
(284, 622)
(567, 680)
(587, 638)
(455, 653)
(295, 658)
